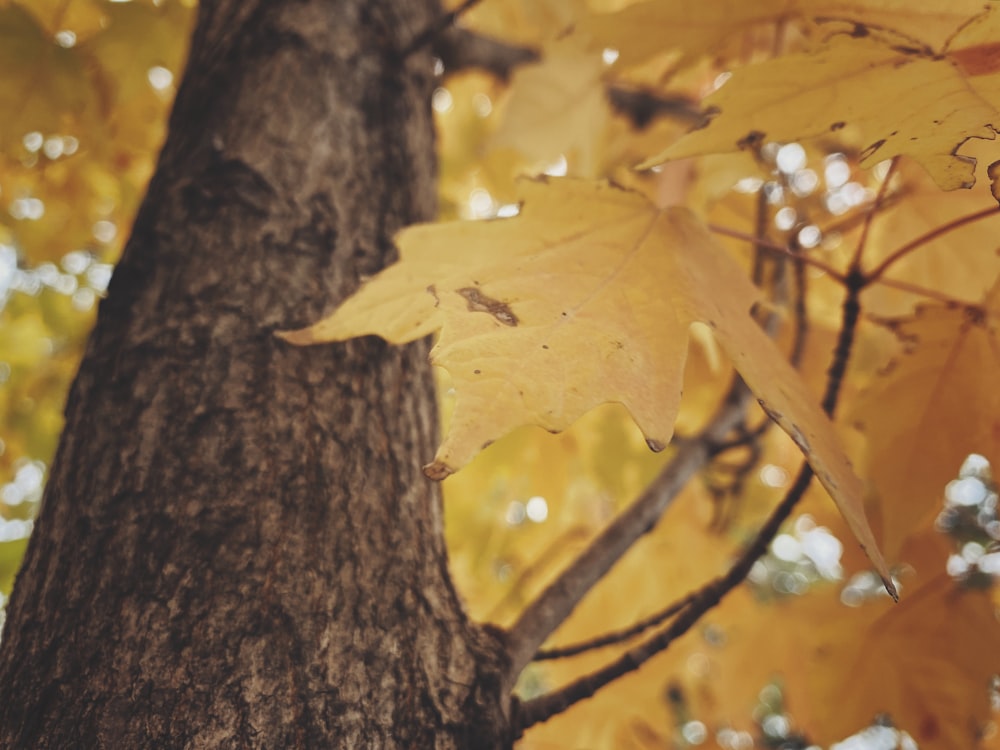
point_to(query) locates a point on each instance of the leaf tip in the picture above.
(652, 161)
(438, 470)
(300, 337)
(655, 445)
(890, 587)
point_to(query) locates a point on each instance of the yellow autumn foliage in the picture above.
(801, 103)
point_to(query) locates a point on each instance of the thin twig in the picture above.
(759, 238)
(558, 600)
(800, 314)
(546, 706)
(617, 636)
(922, 291)
(883, 191)
(853, 219)
(876, 273)
(778, 248)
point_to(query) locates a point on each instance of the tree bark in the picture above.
(236, 546)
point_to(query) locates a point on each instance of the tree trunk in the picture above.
(237, 547)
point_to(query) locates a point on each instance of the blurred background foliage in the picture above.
(808, 647)
(86, 89)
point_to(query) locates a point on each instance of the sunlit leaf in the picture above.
(644, 29)
(585, 298)
(937, 104)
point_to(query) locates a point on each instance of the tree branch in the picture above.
(460, 49)
(617, 636)
(436, 28)
(544, 707)
(558, 600)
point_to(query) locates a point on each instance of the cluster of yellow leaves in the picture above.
(81, 125)
(585, 296)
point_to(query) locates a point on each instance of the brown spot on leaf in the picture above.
(434, 293)
(479, 302)
(838, 125)
(752, 140)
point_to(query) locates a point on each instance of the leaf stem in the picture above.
(876, 273)
(922, 291)
(777, 248)
(870, 215)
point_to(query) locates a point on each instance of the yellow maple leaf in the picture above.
(585, 298)
(937, 404)
(644, 29)
(900, 101)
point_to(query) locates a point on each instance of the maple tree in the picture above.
(785, 210)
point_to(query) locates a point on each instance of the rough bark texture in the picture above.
(237, 548)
